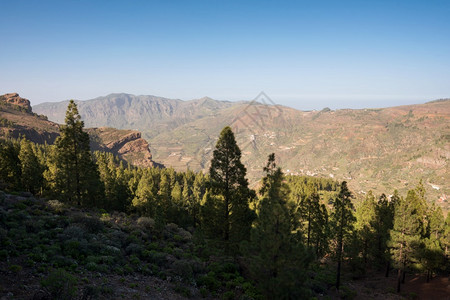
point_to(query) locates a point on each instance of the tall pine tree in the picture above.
(278, 259)
(75, 174)
(227, 181)
(32, 170)
(406, 234)
(342, 219)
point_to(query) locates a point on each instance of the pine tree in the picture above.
(211, 216)
(342, 218)
(277, 258)
(431, 253)
(10, 168)
(406, 233)
(114, 179)
(77, 177)
(365, 217)
(145, 195)
(383, 224)
(447, 235)
(227, 180)
(421, 207)
(31, 169)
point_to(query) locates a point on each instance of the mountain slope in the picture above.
(17, 119)
(379, 149)
(126, 111)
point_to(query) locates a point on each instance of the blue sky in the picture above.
(304, 54)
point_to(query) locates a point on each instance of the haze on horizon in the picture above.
(303, 54)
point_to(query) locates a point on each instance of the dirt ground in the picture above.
(376, 286)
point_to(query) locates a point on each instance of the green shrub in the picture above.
(60, 261)
(146, 223)
(183, 291)
(134, 249)
(134, 260)
(3, 255)
(203, 292)
(73, 232)
(92, 266)
(346, 293)
(56, 205)
(92, 224)
(15, 268)
(183, 269)
(155, 257)
(209, 281)
(60, 285)
(91, 292)
(228, 295)
(72, 248)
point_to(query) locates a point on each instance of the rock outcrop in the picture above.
(127, 144)
(15, 99)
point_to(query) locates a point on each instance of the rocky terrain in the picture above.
(17, 119)
(373, 149)
(126, 144)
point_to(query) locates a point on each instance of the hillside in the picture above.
(17, 119)
(379, 149)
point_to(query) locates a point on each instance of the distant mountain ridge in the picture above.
(125, 111)
(373, 149)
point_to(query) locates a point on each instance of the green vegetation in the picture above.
(199, 235)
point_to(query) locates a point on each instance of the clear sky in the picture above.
(304, 54)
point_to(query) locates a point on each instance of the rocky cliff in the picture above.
(126, 144)
(18, 120)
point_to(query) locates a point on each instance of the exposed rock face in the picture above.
(127, 144)
(15, 99)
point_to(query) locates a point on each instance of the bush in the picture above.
(134, 249)
(3, 255)
(346, 293)
(60, 285)
(183, 291)
(93, 225)
(15, 268)
(56, 205)
(146, 223)
(209, 281)
(228, 295)
(182, 268)
(73, 231)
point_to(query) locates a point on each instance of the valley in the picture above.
(373, 149)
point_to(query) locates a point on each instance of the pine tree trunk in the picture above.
(227, 210)
(388, 268)
(309, 227)
(399, 279)
(317, 246)
(339, 253)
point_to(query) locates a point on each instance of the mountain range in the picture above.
(373, 149)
